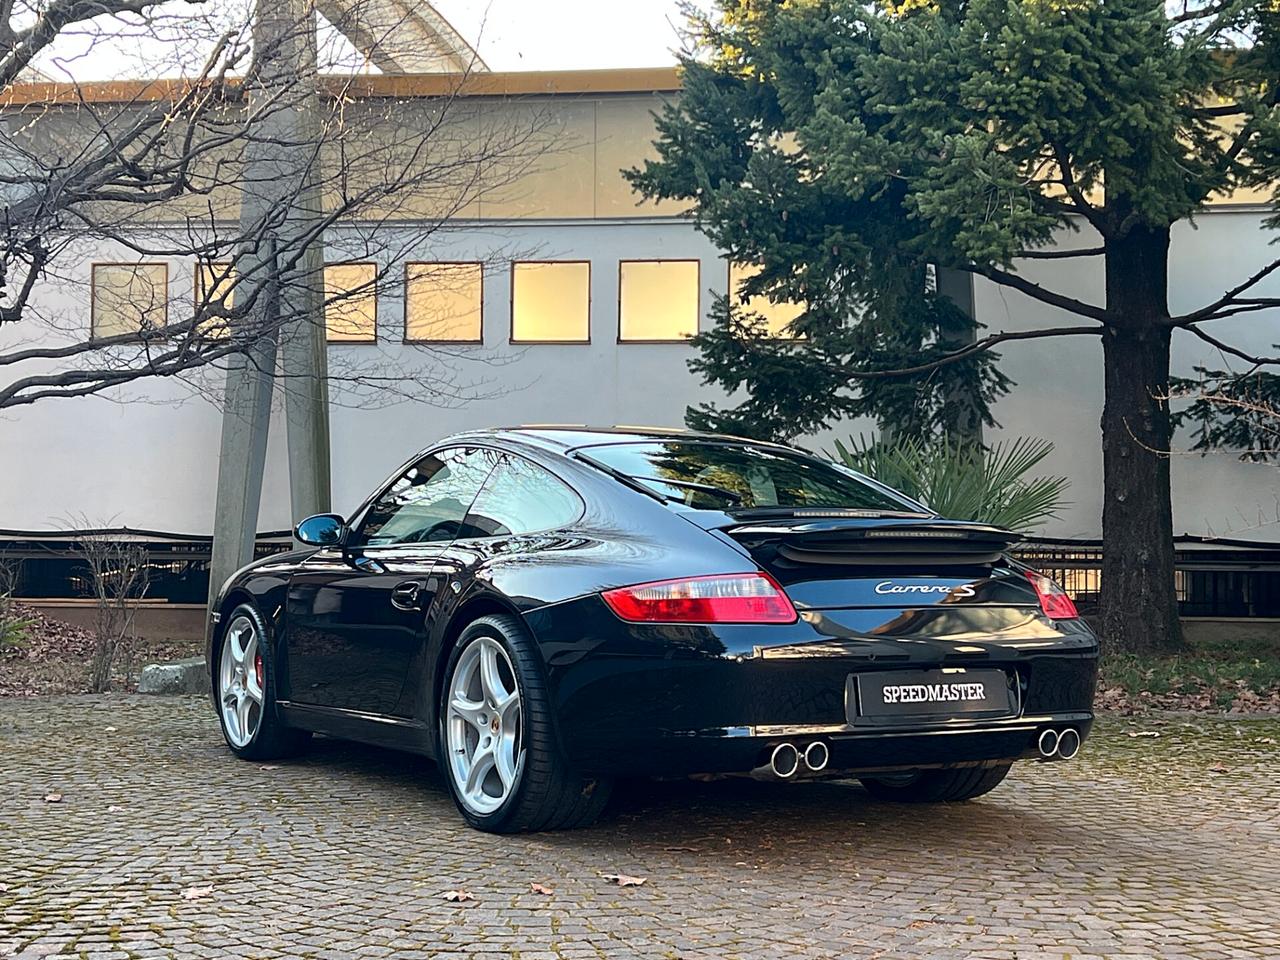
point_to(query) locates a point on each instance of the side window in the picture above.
(521, 497)
(430, 501)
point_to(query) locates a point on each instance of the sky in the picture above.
(568, 34)
(509, 34)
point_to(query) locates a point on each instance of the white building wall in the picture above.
(145, 456)
(1059, 382)
(601, 382)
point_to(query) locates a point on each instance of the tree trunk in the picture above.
(1139, 605)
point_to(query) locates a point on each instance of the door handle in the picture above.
(404, 596)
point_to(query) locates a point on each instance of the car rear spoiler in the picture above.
(879, 541)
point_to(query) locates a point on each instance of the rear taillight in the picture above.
(1054, 601)
(730, 598)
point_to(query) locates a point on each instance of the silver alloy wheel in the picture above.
(240, 681)
(483, 726)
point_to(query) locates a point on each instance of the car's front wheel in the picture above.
(245, 684)
(937, 786)
(497, 745)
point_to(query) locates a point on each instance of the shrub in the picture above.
(13, 625)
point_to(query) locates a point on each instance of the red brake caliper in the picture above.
(257, 668)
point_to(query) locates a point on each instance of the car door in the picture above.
(356, 613)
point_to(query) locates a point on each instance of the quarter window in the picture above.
(429, 502)
(521, 497)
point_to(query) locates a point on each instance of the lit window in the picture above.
(551, 302)
(351, 304)
(128, 297)
(777, 316)
(215, 291)
(657, 299)
(442, 302)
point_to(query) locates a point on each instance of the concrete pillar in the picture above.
(304, 352)
(246, 417)
(279, 174)
(304, 356)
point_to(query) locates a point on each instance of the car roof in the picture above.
(563, 438)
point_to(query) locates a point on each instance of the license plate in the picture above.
(924, 694)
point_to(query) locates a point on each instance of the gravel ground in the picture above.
(128, 830)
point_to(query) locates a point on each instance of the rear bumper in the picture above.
(674, 701)
(851, 752)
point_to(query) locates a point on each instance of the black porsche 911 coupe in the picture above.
(544, 610)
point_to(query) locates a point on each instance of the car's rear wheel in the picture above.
(497, 745)
(245, 684)
(937, 786)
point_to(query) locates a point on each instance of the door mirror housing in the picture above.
(322, 530)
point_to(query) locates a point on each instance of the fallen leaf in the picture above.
(622, 880)
(53, 798)
(1219, 768)
(197, 893)
(458, 896)
(539, 888)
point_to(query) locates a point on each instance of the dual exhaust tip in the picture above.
(787, 759)
(1059, 745)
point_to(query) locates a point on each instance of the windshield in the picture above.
(739, 476)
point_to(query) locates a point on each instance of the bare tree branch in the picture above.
(18, 47)
(1034, 290)
(1256, 359)
(157, 170)
(1061, 254)
(979, 346)
(1231, 297)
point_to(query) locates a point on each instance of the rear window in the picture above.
(736, 476)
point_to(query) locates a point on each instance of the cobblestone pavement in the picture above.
(165, 845)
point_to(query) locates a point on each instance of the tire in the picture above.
(269, 738)
(939, 786)
(542, 792)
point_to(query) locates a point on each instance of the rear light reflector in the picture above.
(728, 598)
(1054, 601)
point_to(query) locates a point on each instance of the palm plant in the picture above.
(988, 484)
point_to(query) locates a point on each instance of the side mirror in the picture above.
(322, 530)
